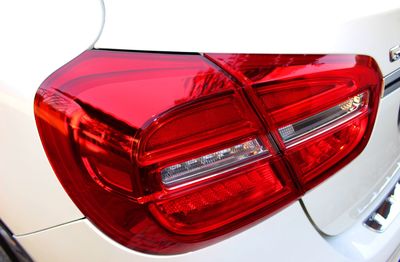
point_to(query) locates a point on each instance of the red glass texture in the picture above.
(110, 121)
(288, 88)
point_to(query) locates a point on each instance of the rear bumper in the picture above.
(287, 236)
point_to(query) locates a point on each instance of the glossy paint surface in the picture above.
(279, 27)
(289, 228)
(31, 191)
(31, 199)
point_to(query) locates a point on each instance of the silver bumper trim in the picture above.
(387, 211)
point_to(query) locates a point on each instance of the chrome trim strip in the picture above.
(392, 87)
(387, 211)
(392, 82)
(332, 113)
(392, 77)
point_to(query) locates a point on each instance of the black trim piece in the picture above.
(147, 51)
(391, 81)
(13, 249)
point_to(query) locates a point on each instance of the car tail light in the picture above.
(320, 109)
(167, 153)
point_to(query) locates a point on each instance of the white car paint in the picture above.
(287, 236)
(357, 189)
(280, 238)
(46, 34)
(305, 27)
(37, 37)
(255, 26)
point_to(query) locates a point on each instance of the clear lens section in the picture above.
(305, 126)
(212, 163)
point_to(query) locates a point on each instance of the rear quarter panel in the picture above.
(37, 37)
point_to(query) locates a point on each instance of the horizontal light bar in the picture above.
(305, 126)
(212, 163)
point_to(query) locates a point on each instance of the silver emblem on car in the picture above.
(394, 53)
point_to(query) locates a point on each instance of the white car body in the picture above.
(38, 37)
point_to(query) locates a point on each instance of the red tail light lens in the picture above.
(165, 152)
(242, 192)
(319, 108)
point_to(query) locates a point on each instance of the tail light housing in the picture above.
(320, 109)
(167, 153)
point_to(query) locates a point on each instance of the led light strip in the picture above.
(308, 125)
(212, 163)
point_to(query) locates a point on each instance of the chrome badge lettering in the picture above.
(394, 53)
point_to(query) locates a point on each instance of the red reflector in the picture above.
(167, 153)
(313, 158)
(194, 126)
(217, 204)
